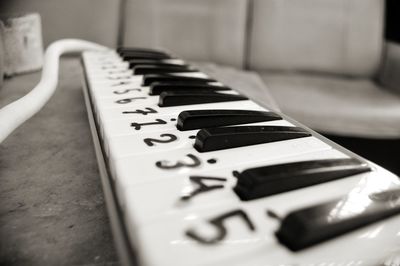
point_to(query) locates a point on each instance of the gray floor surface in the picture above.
(52, 210)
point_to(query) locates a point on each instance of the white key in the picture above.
(105, 91)
(100, 56)
(136, 101)
(100, 83)
(140, 199)
(142, 125)
(122, 116)
(120, 113)
(173, 61)
(132, 127)
(97, 69)
(170, 138)
(146, 168)
(112, 75)
(121, 90)
(100, 68)
(117, 121)
(191, 74)
(103, 71)
(123, 100)
(167, 238)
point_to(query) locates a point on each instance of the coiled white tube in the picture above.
(17, 112)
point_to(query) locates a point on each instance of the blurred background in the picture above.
(159, 23)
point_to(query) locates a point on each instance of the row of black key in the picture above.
(178, 90)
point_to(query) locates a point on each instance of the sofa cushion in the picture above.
(247, 83)
(207, 30)
(341, 106)
(389, 75)
(332, 36)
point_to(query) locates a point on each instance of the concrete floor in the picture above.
(52, 209)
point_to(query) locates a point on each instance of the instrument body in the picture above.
(173, 205)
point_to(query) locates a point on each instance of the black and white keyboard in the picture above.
(195, 173)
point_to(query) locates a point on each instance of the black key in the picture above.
(151, 78)
(177, 99)
(152, 54)
(197, 119)
(312, 225)
(138, 50)
(149, 69)
(185, 81)
(148, 54)
(157, 88)
(213, 139)
(139, 56)
(163, 63)
(264, 181)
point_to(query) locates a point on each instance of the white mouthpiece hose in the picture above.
(17, 112)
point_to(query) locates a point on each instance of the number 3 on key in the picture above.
(179, 164)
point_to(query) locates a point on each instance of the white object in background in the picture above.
(22, 41)
(2, 52)
(17, 112)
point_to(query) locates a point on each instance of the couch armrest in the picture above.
(389, 75)
(247, 83)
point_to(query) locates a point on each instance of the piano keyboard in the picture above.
(195, 173)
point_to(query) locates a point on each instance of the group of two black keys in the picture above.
(299, 229)
(160, 72)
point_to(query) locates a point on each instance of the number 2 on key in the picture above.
(170, 138)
